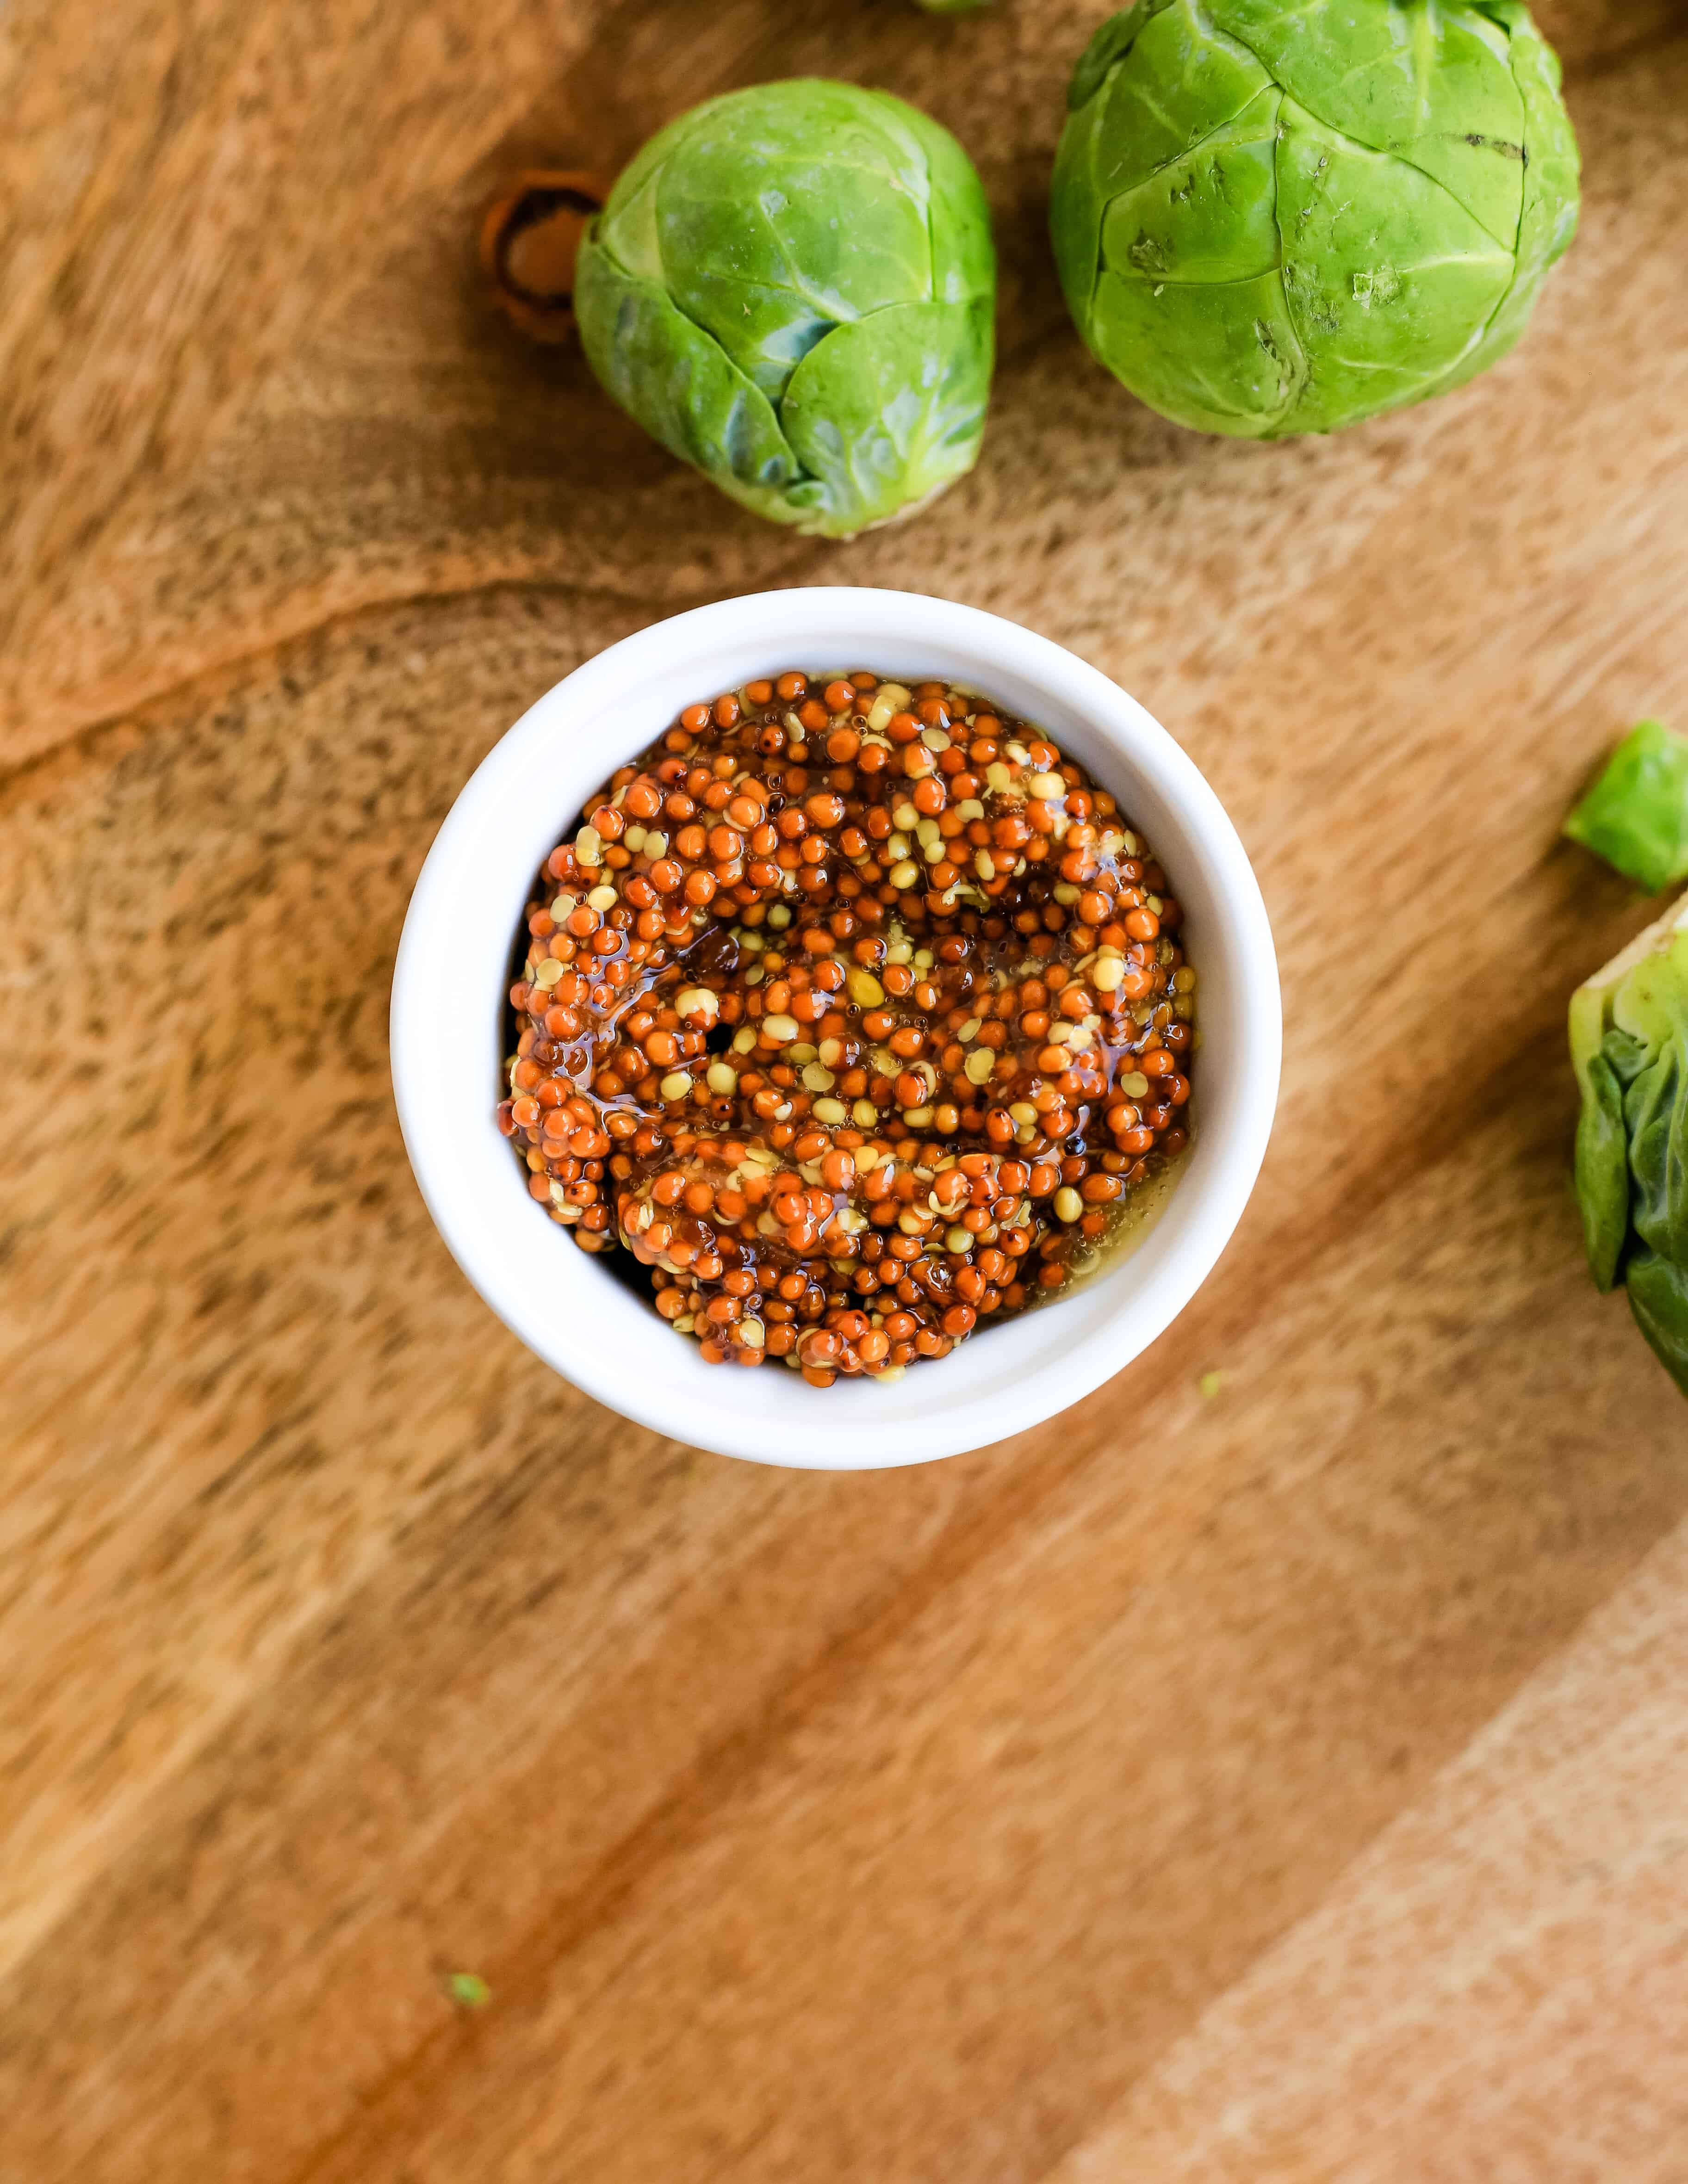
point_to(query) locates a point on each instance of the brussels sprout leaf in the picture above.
(1114, 38)
(1658, 1297)
(681, 386)
(889, 408)
(1602, 1171)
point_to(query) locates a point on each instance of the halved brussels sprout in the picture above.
(1629, 1048)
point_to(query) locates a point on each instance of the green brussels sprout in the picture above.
(792, 288)
(1636, 814)
(1629, 1049)
(1273, 219)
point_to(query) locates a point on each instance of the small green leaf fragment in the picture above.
(1635, 817)
(468, 1990)
(1210, 1384)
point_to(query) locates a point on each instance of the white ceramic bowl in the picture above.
(448, 998)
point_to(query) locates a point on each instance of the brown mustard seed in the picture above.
(857, 1014)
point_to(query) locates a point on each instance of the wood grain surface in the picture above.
(1290, 1783)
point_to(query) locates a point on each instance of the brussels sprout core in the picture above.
(1272, 220)
(792, 288)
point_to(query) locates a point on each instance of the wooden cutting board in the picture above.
(1286, 1782)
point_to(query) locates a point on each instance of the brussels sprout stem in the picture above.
(531, 235)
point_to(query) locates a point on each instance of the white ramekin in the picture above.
(453, 974)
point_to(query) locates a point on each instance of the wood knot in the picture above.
(530, 236)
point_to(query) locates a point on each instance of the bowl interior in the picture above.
(448, 1034)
